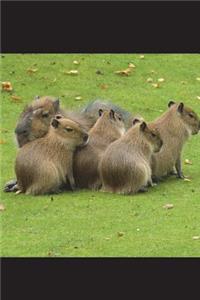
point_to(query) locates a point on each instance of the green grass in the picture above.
(87, 223)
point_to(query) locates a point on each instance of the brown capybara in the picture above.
(44, 165)
(175, 127)
(108, 128)
(125, 165)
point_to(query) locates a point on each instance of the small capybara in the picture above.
(44, 165)
(175, 127)
(125, 165)
(108, 128)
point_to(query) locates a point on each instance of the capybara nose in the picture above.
(85, 137)
(21, 130)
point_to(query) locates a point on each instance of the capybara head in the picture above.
(35, 119)
(67, 129)
(187, 115)
(114, 118)
(152, 135)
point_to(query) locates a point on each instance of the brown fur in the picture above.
(107, 129)
(35, 120)
(175, 127)
(125, 165)
(43, 165)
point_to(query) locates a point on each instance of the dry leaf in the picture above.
(120, 234)
(149, 80)
(76, 62)
(78, 98)
(6, 86)
(2, 207)
(31, 71)
(2, 142)
(196, 237)
(72, 72)
(125, 72)
(168, 206)
(198, 78)
(156, 85)
(198, 97)
(188, 162)
(187, 179)
(16, 98)
(141, 56)
(161, 79)
(103, 86)
(130, 65)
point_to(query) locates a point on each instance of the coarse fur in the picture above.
(175, 127)
(125, 165)
(44, 165)
(108, 128)
(35, 120)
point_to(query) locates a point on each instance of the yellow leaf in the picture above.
(188, 162)
(72, 72)
(75, 62)
(198, 78)
(155, 85)
(130, 65)
(161, 79)
(187, 179)
(198, 97)
(6, 86)
(2, 207)
(141, 56)
(78, 98)
(196, 237)
(168, 206)
(149, 80)
(30, 70)
(125, 72)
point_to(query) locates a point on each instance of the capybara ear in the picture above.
(57, 117)
(143, 126)
(100, 112)
(171, 103)
(55, 123)
(180, 107)
(135, 121)
(112, 114)
(56, 104)
(37, 98)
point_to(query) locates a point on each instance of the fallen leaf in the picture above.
(149, 80)
(6, 86)
(198, 97)
(31, 71)
(196, 237)
(107, 238)
(2, 142)
(125, 72)
(161, 79)
(156, 85)
(78, 98)
(138, 229)
(103, 86)
(168, 206)
(72, 72)
(198, 78)
(120, 234)
(141, 56)
(2, 207)
(188, 162)
(76, 62)
(54, 80)
(187, 179)
(16, 98)
(130, 65)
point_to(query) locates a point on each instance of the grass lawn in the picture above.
(88, 223)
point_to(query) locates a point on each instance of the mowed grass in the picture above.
(87, 223)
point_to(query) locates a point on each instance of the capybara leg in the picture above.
(179, 169)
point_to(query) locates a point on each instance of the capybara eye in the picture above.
(68, 129)
(45, 114)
